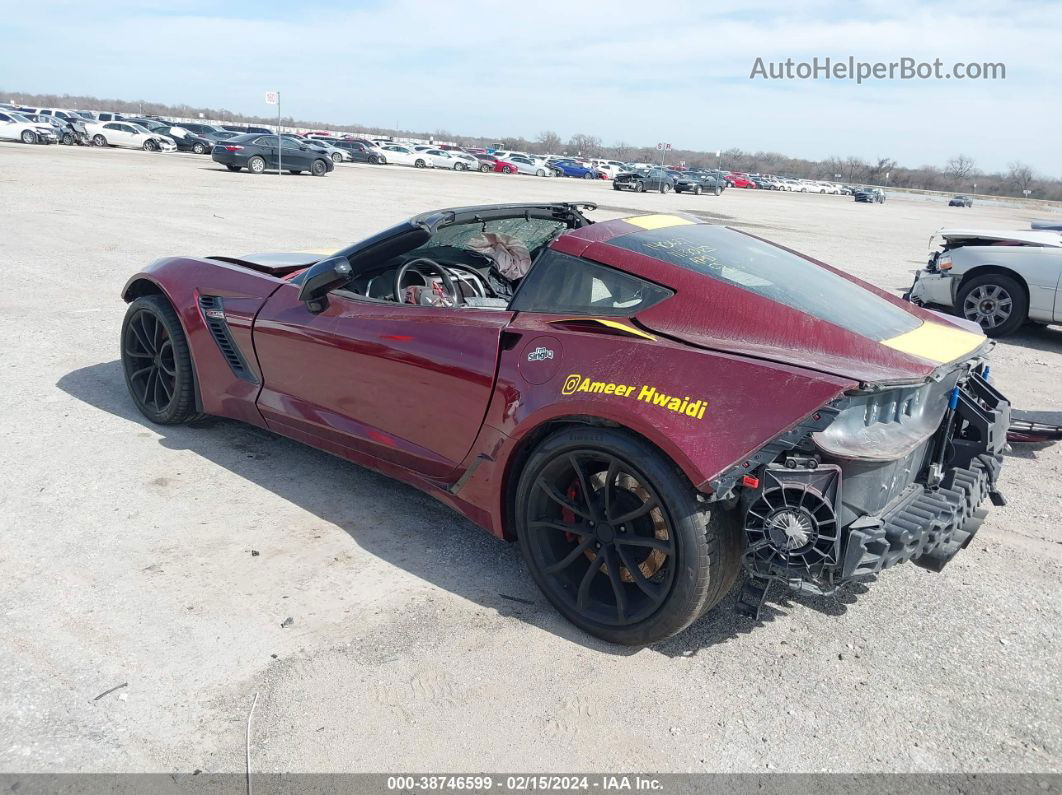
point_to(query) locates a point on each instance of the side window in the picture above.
(563, 284)
(4, 117)
(289, 144)
(110, 126)
(265, 141)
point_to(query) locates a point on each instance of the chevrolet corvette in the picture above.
(649, 406)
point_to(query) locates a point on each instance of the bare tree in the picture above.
(1020, 175)
(959, 167)
(586, 145)
(549, 142)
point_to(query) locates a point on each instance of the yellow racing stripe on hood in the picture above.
(936, 342)
(657, 221)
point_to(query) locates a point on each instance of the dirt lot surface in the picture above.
(419, 642)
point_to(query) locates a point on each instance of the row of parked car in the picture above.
(260, 149)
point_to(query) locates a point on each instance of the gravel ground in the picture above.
(419, 642)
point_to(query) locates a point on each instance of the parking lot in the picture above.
(168, 558)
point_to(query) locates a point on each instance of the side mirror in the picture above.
(324, 277)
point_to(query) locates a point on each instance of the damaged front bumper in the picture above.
(805, 532)
(932, 288)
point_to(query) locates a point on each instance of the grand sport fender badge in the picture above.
(575, 383)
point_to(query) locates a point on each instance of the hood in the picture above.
(737, 293)
(277, 263)
(1035, 237)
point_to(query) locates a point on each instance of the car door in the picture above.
(401, 383)
(8, 129)
(117, 134)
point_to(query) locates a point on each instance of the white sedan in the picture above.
(129, 136)
(406, 156)
(16, 127)
(443, 159)
(526, 165)
(999, 279)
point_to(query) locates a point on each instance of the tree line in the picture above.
(959, 173)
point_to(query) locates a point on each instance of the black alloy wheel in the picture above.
(625, 551)
(318, 168)
(157, 362)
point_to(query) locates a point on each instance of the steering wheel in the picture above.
(447, 281)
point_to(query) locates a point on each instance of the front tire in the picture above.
(68, 139)
(157, 362)
(459, 166)
(199, 149)
(540, 173)
(997, 302)
(588, 175)
(420, 164)
(318, 168)
(506, 170)
(29, 137)
(337, 158)
(696, 190)
(665, 188)
(150, 146)
(717, 191)
(617, 539)
(484, 168)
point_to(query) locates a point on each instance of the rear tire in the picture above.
(506, 170)
(68, 139)
(696, 190)
(459, 166)
(97, 140)
(157, 362)
(588, 175)
(420, 164)
(337, 157)
(641, 187)
(638, 568)
(484, 168)
(665, 188)
(233, 168)
(256, 165)
(717, 191)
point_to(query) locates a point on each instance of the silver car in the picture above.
(1000, 279)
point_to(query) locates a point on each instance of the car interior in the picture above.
(477, 264)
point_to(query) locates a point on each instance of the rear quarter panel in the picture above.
(727, 406)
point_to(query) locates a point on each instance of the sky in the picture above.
(672, 70)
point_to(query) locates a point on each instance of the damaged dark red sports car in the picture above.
(649, 405)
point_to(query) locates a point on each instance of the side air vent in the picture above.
(214, 315)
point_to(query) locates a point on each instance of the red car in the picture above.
(492, 163)
(648, 405)
(740, 181)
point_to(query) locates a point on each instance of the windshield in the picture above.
(532, 232)
(772, 272)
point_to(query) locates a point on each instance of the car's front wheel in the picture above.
(150, 146)
(68, 139)
(337, 157)
(696, 190)
(459, 166)
(665, 187)
(506, 170)
(617, 539)
(318, 168)
(157, 361)
(996, 301)
(29, 137)
(199, 149)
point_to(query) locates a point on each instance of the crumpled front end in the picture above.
(875, 479)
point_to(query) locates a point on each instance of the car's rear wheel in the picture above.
(150, 146)
(696, 190)
(157, 361)
(641, 187)
(588, 175)
(256, 165)
(540, 173)
(717, 191)
(996, 301)
(337, 157)
(420, 163)
(233, 168)
(318, 168)
(616, 537)
(506, 170)
(665, 187)
(484, 168)
(199, 149)
(68, 139)
(459, 166)
(99, 140)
